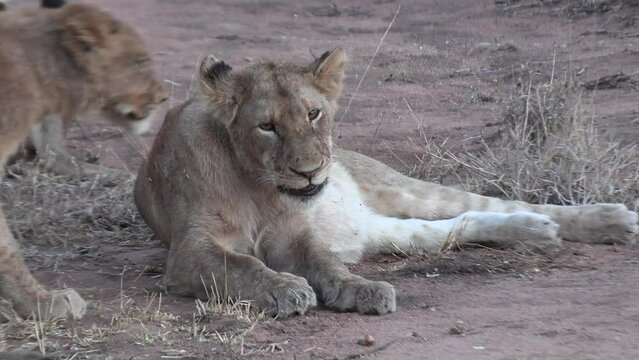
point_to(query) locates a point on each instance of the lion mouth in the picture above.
(310, 190)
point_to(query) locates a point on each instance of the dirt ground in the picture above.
(454, 64)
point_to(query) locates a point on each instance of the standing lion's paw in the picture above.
(361, 295)
(286, 294)
(65, 303)
(604, 224)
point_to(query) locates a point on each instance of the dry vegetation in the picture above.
(79, 218)
(549, 150)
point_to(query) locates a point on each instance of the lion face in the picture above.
(279, 119)
(116, 63)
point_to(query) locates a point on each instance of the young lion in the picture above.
(243, 185)
(68, 61)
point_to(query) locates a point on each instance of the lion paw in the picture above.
(603, 224)
(65, 303)
(363, 296)
(376, 297)
(533, 232)
(287, 295)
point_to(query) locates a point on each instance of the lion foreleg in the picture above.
(201, 264)
(289, 245)
(49, 141)
(24, 291)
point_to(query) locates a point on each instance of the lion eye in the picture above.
(267, 126)
(314, 114)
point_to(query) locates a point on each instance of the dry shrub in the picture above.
(549, 151)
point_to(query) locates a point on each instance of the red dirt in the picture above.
(580, 304)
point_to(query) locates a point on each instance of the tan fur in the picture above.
(228, 187)
(70, 61)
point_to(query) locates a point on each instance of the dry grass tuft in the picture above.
(550, 151)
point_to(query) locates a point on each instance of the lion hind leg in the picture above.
(24, 291)
(524, 231)
(595, 223)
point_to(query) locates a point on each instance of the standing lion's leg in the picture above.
(201, 263)
(49, 141)
(393, 194)
(23, 290)
(289, 245)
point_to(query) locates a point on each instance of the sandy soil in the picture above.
(453, 63)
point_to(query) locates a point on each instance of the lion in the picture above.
(244, 186)
(69, 61)
(47, 141)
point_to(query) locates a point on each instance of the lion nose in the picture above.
(307, 174)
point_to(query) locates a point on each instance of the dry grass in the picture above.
(62, 211)
(60, 221)
(550, 151)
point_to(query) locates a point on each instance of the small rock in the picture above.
(367, 340)
(458, 329)
(461, 72)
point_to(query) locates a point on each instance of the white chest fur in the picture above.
(340, 217)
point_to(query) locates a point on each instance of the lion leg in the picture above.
(202, 265)
(24, 291)
(393, 194)
(597, 223)
(49, 141)
(522, 231)
(289, 246)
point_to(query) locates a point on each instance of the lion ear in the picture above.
(83, 28)
(328, 72)
(216, 82)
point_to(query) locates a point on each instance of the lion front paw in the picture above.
(376, 297)
(363, 296)
(286, 294)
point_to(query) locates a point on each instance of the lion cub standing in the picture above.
(243, 185)
(68, 62)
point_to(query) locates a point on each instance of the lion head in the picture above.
(114, 60)
(279, 119)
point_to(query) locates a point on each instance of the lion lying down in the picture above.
(244, 187)
(70, 61)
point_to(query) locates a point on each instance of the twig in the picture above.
(370, 63)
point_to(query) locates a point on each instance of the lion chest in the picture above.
(340, 217)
